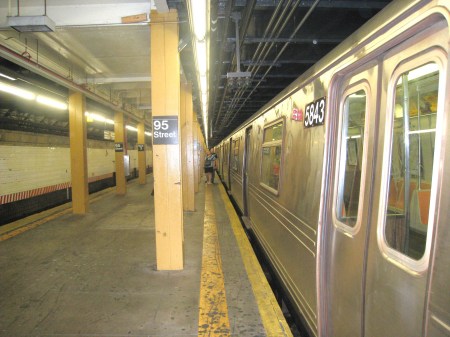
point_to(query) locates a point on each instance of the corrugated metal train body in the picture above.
(343, 178)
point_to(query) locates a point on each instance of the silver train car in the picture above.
(344, 180)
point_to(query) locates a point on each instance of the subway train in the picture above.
(343, 179)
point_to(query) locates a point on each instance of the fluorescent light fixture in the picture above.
(199, 20)
(198, 8)
(422, 131)
(23, 24)
(131, 128)
(17, 91)
(425, 70)
(8, 77)
(28, 95)
(51, 102)
(201, 57)
(98, 118)
(148, 133)
(203, 86)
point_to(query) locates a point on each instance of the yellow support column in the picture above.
(187, 147)
(78, 154)
(165, 70)
(201, 155)
(142, 154)
(196, 155)
(119, 131)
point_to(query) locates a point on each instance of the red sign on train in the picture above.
(297, 115)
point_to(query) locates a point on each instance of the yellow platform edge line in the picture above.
(213, 310)
(271, 315)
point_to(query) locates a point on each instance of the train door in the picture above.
(230, 153)
(226, 164)
(247, 148)
(343, 255)
(408, 186)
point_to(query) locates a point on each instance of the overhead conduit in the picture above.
(261, 55)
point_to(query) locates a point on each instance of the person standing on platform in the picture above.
(209, 165)
(215, 164)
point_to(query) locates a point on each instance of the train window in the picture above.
(351, 157)
(271, 156)
(225, 157)
(411, 161)
(235, 156)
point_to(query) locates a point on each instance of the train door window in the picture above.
(408, 211)
(351, 145)
(235, 156)
(271, 156)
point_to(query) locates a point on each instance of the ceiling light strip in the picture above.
(199, 21)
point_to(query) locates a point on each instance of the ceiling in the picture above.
(93, 51)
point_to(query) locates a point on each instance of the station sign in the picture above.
(165, 130)
(118, 147)
(141, 147)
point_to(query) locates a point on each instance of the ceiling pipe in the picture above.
(269, 28)
(230, 5)
(279, 54)
(249, 8)
(276, 31)
(272, 27)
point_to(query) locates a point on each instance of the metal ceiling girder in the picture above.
(275, 27)
(349, 4)
(253, 40)
(228, 9)
(278, 63)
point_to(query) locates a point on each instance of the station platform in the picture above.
(95, 275)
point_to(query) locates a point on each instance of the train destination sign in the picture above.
(165, 130)
(315, 113)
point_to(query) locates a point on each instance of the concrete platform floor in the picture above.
(95, 275)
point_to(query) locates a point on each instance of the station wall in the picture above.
(35, 171)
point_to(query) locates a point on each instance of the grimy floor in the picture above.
(95, 275)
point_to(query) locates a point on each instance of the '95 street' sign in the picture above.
(165, 130)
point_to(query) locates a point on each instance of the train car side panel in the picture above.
(283, 197)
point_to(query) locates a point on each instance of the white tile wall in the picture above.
(25, 168)
(100, 161)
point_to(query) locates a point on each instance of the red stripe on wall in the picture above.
(4, 199)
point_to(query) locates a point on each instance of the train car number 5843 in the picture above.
(315, 113)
